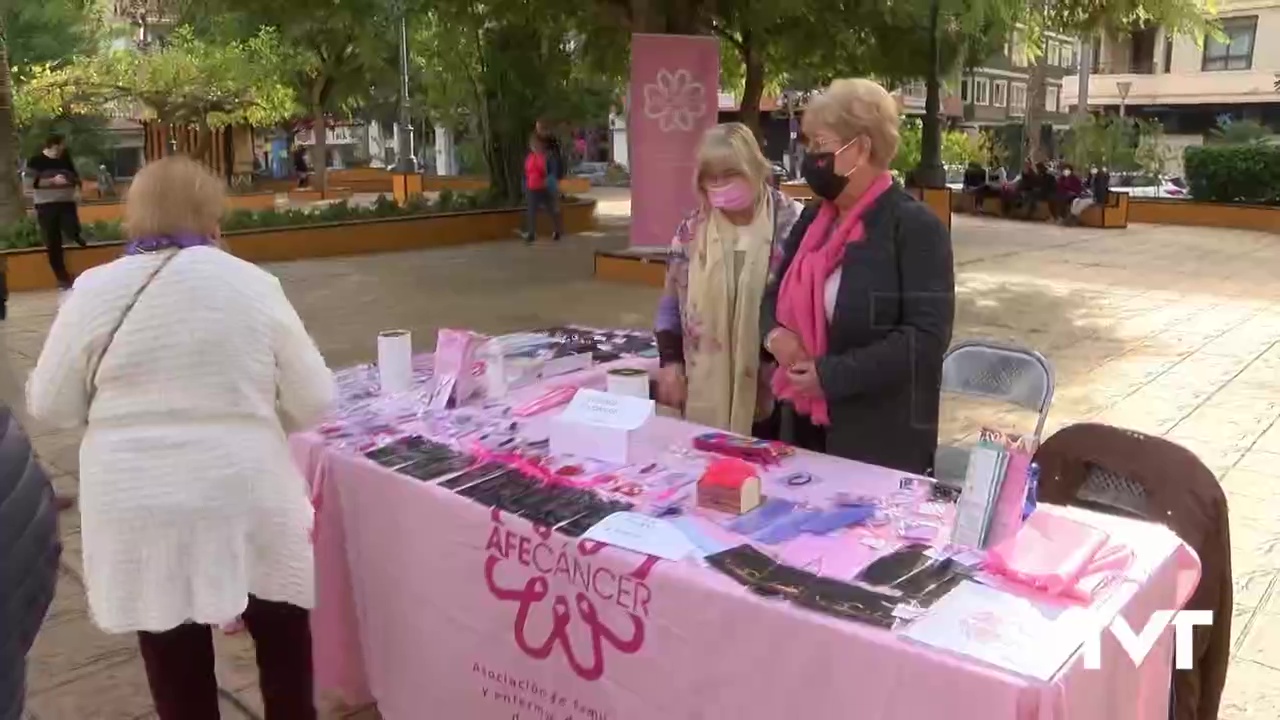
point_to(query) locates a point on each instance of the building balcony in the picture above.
(1197, 88)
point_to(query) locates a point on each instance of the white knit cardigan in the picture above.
(188, 495)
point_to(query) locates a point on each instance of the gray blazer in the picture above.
(29, 552)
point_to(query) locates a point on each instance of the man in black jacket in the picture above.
(29, 552)
(56, 186)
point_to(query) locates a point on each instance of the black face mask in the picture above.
(819, 171)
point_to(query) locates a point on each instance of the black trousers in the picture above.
(544, 198)
(58, 221)
(180, 667)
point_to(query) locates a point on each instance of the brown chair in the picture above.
(1128, 473)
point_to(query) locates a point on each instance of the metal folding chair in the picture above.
(980, 368)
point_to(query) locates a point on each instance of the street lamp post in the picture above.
(930, 173)
(1123, 87)
(405, 162)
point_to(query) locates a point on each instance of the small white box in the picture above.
(601, 426)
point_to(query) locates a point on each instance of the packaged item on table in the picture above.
(436, 464)
(584, 522)
(763, 452)
(505, 487)
(404, 451)
(477, 474)
(849, 602)
(839, 518)
(785, 582)
(789, 527)
(730, 486)
(918, 530)
(743, 563)
(772, 510)
(915, 573)
(628, 381)
(892, 568)
(455, 380)
(549, 400)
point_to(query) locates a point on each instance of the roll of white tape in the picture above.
(628, 381)
(395, 361)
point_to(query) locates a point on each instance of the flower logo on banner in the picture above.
(556, 567)
(675, 100)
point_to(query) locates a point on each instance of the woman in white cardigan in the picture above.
(189, 368)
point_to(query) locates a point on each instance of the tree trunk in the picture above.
(752, 86)
(320, 150)
(1085, 58)
(204, 140)
(669, 17)
(1035, 101)
(11, 206)
(930, 173)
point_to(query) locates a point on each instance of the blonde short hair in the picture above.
(174, 196)
(852, 108)
(731, 148)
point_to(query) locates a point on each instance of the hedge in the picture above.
(1248, 173)
(26, 234)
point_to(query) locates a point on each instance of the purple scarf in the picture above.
(144, 245)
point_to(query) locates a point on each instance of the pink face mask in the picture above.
(733, 195)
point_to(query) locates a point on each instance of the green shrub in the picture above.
(26, 234)
(1234, 173)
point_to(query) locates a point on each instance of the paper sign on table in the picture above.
(642, 534)
(1011, 632)
(600, 426)
(977, 502)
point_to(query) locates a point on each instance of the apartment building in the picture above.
(1188, 85)
(997, 92)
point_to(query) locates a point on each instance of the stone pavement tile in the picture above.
(1241, 619)
(71, 646)
(1261, 462)
(1269, 441)
(1252, 692)
(1222, 427)
(1245, 485)
(73, 553)
(1255, 551)
(1219, 458)
(113, 692)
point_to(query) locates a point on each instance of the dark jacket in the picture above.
(894, 310)
(29, 551)
(1182, 494)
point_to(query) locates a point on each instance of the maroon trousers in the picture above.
(180, 670)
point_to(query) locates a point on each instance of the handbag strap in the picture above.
(93, 374)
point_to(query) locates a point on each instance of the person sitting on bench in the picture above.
(1021, 197)
(1069, 188)
(1098, 187)
(975, 185)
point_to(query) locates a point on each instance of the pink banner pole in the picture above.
(673, 92)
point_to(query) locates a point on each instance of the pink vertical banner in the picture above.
(673, 100)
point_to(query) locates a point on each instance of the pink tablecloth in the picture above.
(436, 607)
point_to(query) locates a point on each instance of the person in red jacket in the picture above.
(539, 190)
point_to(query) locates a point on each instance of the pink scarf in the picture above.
(801, 307)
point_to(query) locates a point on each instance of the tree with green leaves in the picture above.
(498, 66)
(187, 81)
(32, 34)
(335, 52)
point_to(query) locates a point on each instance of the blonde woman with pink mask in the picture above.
(722, 258)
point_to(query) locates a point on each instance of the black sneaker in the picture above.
(556, 237)
(81, 242)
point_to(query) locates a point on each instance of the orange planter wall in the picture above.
(1204, 214)
(113, 211)
(29, 269)
(470, 183)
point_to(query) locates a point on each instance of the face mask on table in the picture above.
(734, 195)
(819, 171)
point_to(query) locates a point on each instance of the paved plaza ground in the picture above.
(1172, 331)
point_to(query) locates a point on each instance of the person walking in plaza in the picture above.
(539, 190)
(29, 551)
(56, 186)
(189, 369)
(708, 320)
(860, 314)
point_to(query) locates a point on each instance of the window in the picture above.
(1052, 55)
(1051, 99)
(1066, 57)
(981, 91)
(1000, 93)
(966, 93)
(1236, 53)
(915, 91)
(1017, 99)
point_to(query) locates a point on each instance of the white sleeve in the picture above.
(304, 385)
(58, 388)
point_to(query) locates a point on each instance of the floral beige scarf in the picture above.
(723, 365)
